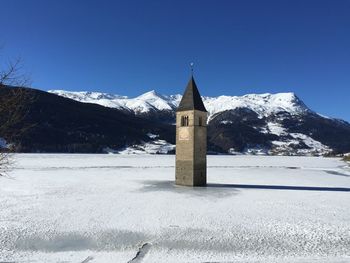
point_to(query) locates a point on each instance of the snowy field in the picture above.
(115, 208)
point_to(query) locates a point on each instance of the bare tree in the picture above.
(12, 74)
(11, 108)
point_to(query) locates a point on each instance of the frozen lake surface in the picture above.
(114, 208)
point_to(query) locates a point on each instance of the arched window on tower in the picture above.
(184, 120)
(200, 121)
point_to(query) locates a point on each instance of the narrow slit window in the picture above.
(200, 121)
(184, 120)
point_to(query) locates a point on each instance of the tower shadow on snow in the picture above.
(280, 187)
(224, 190)
(198, 191)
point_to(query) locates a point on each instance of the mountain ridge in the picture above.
(263, 104)
(275, 124)
(253, 123)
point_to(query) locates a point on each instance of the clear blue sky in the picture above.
(238, 47)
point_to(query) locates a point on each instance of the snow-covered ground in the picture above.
(119, 208)
(152, 147)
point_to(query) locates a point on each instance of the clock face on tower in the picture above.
(184, 134)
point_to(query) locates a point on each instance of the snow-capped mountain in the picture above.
(263, 104)
(255, 123)
(144, 103)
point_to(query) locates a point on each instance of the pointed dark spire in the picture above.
(191, 100)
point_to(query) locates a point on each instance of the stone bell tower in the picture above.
(191, 138)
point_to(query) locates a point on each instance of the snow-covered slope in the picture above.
(156, 146)
(142, 104)
(262, 104)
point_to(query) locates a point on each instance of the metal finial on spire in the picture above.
(191, 65)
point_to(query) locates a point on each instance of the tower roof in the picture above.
(191, 100)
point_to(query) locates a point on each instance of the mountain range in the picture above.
(262, 104)
(255, 123)
(67, 121)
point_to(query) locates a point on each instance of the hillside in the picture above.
(255, 123)
(51, 123)
(92, 122)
